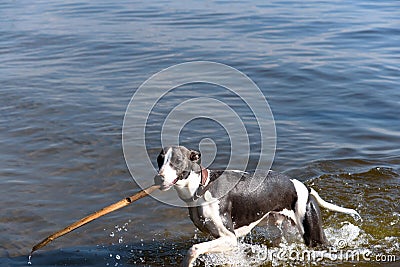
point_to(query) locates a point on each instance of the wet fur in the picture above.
(230, 207)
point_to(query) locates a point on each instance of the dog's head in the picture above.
(174, 164)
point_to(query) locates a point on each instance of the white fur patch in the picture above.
(211, 213)
(187, 188)
(289, 213)
(166, 171)
(301, 204)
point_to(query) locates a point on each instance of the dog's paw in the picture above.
(191, 257)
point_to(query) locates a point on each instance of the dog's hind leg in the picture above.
(221, 244)
(312, 224)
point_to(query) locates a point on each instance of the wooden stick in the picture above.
(120, 204)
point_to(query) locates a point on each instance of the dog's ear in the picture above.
(194, 156)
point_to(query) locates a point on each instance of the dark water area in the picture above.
(330, 71)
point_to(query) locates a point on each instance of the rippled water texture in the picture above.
(329, 69)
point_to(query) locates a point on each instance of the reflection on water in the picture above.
(328, 69)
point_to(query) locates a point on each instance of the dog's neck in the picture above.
(189, 188)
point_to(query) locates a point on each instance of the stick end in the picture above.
(33, 250)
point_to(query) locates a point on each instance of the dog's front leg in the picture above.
(221, 244)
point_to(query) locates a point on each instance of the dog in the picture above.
(229, 204)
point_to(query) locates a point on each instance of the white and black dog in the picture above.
(223, 204)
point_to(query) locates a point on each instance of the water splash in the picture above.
(348, 238)
(117, 237)
(29, 260)
(348, 235)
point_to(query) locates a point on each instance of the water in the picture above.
(329, 69)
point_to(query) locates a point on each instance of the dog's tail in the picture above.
(333, 207)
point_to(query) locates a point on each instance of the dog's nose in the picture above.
(158, 179)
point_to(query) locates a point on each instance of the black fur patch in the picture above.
(241, 205)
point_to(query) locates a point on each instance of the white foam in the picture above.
(349, 238)
(348, 235)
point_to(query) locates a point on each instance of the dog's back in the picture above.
(249, 197)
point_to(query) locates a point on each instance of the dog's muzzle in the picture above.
(159, 180)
